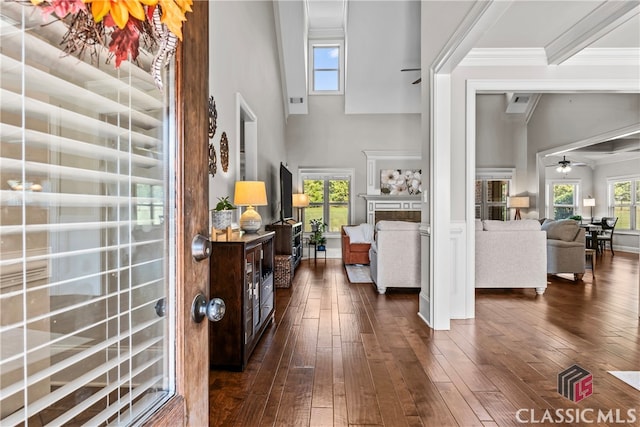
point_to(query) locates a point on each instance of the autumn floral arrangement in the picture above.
(121, 25)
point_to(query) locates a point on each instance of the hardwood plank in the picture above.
(428, 400)
(463, 388)
(362, 402)
(402, 391)
(391, 409)
(304, 355)
(295, 407)
(502, 411)
(325, 336)
(321, 417)
(458, 405)
(323, 379)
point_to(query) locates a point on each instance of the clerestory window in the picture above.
(326, 63)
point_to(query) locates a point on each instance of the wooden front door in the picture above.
(190, 406)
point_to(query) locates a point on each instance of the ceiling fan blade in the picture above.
(411, 69)
(417, 81)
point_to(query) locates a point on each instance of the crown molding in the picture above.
(532, 57)
(602, 20)
(482, 16)
(509, 57)
(606, 56)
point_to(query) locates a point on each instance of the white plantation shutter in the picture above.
(84, 241)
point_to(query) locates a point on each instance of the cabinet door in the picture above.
(257, 273)
(248, 295)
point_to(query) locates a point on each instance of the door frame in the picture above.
(190, 405)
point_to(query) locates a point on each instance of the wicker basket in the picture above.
(284, 269)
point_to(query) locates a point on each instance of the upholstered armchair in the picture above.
(565, 247)
(356, 241)
(395, 255)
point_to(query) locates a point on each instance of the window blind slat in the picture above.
(128, 416)
(96, 397)
(74, 360)
(15, 198)
(13, 72)
(67, 226)
(15, 103)
(73, 173)
(60, 144)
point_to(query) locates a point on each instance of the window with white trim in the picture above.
(326, 67)
(624, 202)
(562, 199)
(330, 197)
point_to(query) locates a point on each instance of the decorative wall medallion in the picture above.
(213, 117)
(212, 160)
(224, 152)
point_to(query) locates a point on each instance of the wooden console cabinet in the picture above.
(288, 239)
(241, 273)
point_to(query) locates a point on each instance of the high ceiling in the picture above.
(383, 37)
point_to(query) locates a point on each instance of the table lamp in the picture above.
(591, 202)
(250, 194)
(518, 202)
(300, 201)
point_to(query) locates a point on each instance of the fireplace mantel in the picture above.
(389, 204)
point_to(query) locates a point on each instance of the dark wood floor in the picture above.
(340, 354)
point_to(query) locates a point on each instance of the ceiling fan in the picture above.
(564, 165)
(413, 69)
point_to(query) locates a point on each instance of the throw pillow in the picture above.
(355, 234)
(564, 229)
(367, 232)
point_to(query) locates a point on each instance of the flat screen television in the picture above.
(286, 193)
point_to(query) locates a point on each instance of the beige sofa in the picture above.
(394, 255)
(511, 254)
(565, 247)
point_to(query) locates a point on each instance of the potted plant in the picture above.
(317, 234)
(222, 214)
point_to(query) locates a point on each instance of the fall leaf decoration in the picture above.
(125, 22)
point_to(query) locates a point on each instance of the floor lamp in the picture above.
(518, 202)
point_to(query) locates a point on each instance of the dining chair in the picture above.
(608, 225)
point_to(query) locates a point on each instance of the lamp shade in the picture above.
(300, 200)
(589, 202)
(518, 202)
(250, 193)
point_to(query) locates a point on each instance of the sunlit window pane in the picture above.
(326, 57)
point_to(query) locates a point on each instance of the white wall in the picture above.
(328, 137)
(494, 133)
(244, 59)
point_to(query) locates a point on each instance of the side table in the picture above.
(316, 250)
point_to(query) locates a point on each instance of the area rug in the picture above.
(358, 273)
(630, 377)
